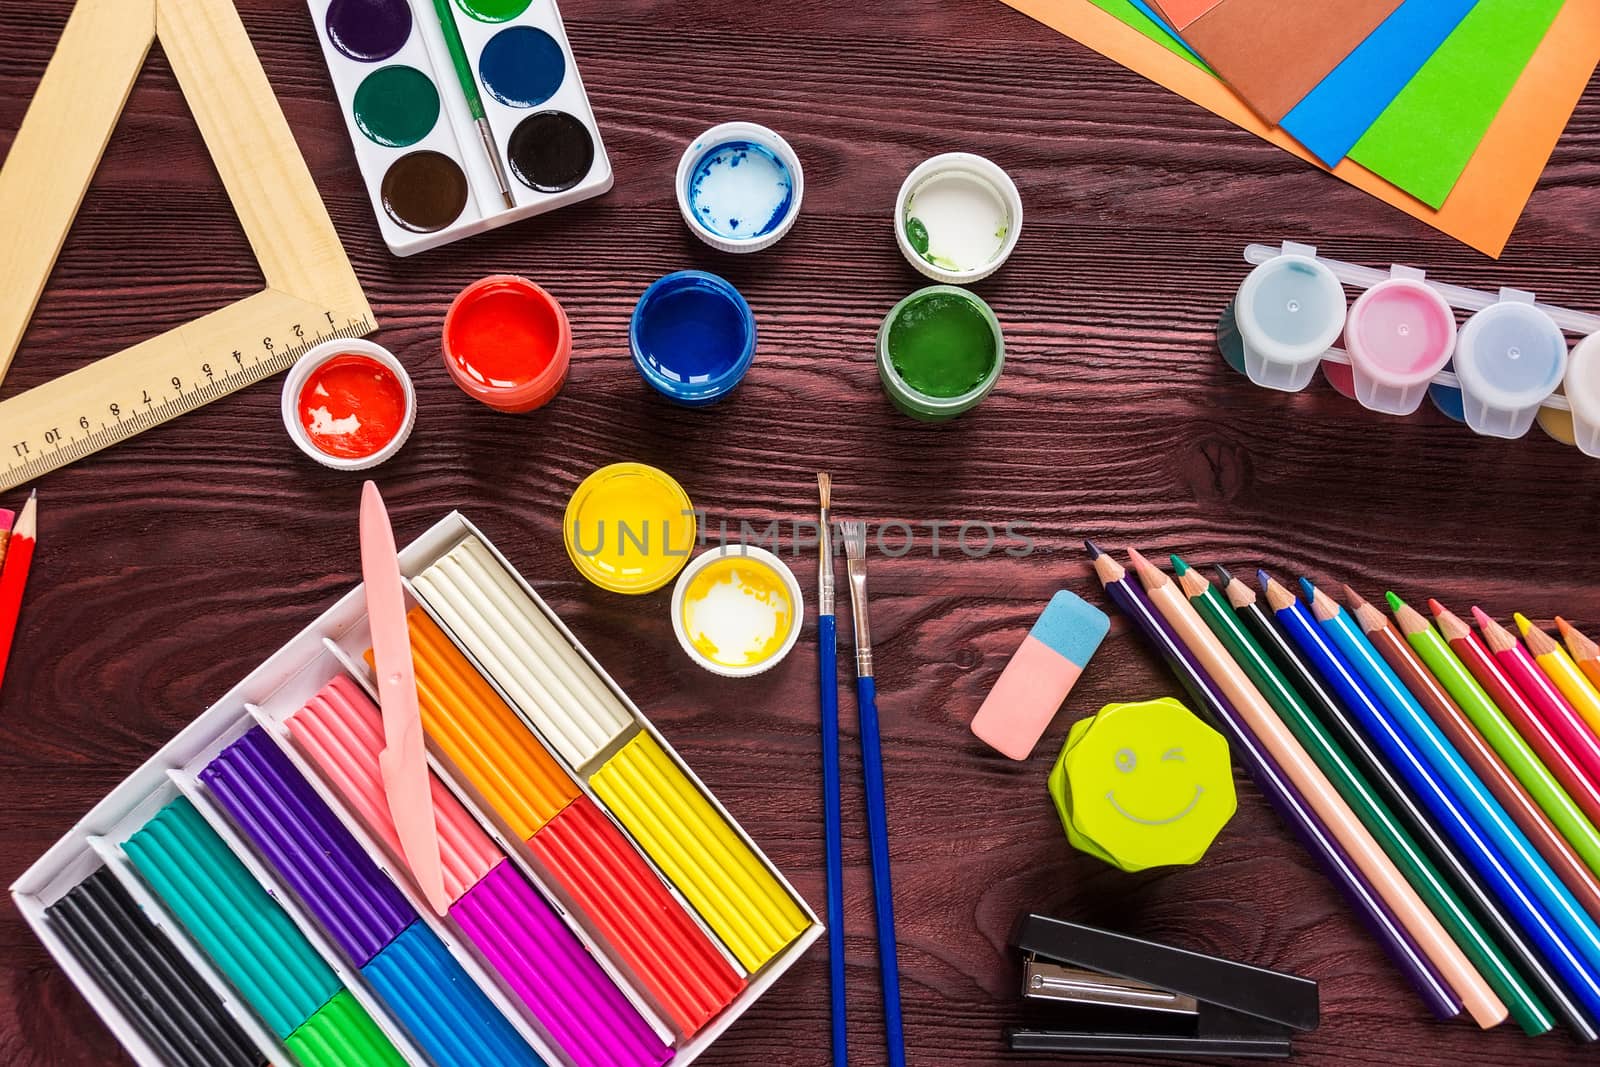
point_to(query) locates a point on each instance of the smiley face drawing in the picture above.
(1143, 785)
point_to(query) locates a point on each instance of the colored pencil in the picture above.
(1327, 655)
(1477, 997)
(1131, 600)
(828, 678)
(1422, 826)
(1545, 699)
(14, 575)
(1563, 762)
(1559, 668)
(7, 517)
(1507, 859)
(1585, 653)
(1558, 807)
(1459, 924)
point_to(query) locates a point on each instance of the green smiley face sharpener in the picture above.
(1143, 785)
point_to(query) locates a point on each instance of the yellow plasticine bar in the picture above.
(482, 736)
(699, 852)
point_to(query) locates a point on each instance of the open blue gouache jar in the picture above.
(693, 337)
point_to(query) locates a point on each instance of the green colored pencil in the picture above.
(469, 89)
(1508, 984)
(1491, 723)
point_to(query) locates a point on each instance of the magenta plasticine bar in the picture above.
(550, 970)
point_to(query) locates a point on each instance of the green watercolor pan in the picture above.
(425, 165)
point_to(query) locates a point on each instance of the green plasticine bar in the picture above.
(342, 1034)
(231, 917)
(1535, 777)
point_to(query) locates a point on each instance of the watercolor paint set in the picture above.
(465, 115)
(242, 898)
(1501, 370)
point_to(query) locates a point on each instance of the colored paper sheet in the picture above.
(1423, 141)
(1182, 12)
(1159, 29)
(1273, 53)
(1335, 114)
(1493, 190)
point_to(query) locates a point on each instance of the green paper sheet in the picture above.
(1126, 12)
(1423, 141)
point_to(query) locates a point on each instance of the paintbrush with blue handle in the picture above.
(855, 547)
(828, 669)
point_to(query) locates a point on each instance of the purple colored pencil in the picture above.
(1290, 806)
(354, 902)
(580, 1007)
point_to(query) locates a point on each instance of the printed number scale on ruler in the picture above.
(110, 401)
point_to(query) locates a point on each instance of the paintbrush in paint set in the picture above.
(828, 670)
(469, 90)
(855, 547)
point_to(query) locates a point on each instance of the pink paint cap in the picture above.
(1039, 676)
(1399, 334)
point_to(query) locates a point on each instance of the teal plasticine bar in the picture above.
(231, 917)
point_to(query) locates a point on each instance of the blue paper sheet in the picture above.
(1155, 16)
(1334, 115)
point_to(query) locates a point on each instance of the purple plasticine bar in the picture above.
(351, 899)
(1039, 676)
(554, 975)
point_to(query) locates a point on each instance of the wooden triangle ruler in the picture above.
(311, 294)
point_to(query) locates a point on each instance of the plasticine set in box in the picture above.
(241, 898)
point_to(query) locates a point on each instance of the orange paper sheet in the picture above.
(1486, 203)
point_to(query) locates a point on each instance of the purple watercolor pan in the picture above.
(353, 902)
(554, 975)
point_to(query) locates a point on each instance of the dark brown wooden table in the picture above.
(171, 565)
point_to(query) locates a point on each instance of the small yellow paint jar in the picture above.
(629, 528)
(737, 610)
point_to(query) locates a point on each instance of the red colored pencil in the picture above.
(14, 576)
(1571, 767)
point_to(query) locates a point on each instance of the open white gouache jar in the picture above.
(957, 218)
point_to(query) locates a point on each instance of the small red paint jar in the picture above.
(349, 405)
(507, 343)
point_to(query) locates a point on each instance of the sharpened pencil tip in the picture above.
(1307, 589)
(1523, 623)
(1263, 577)
(1395, 603)
(1223, 573)
(1353, 598)
(1095, 551)
(1178, 564)
(1435, 607)
(1565, 627)
(1482, 618)
(1138, 558)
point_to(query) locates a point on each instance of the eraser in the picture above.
(1043, 671)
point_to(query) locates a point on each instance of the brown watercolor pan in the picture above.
(424, 191)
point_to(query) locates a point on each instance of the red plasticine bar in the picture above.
(674, 960)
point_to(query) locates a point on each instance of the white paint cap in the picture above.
(301, 373)
(710, 141)
(943, 183)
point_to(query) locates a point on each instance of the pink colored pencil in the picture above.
(1553, 708)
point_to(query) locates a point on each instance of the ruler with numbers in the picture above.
(110, 401)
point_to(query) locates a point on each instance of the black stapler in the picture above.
(1115, 993)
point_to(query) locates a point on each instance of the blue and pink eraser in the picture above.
(1043, 671)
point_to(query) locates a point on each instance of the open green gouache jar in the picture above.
(940, 352)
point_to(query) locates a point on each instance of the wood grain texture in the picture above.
(171, 565)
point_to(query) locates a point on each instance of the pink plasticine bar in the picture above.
(1019, 708)
(341, 731)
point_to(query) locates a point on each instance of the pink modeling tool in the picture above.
(402, 761)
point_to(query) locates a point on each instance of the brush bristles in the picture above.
(825, 488)
(855, 539)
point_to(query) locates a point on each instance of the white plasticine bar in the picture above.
(1456, 296)
(475, 558)
(581, 729)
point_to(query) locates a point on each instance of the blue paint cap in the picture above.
(693, 337)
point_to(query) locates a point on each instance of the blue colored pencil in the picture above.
(1335, 654)
(828, 670)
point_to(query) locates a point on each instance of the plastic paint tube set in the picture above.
(1508, 363)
